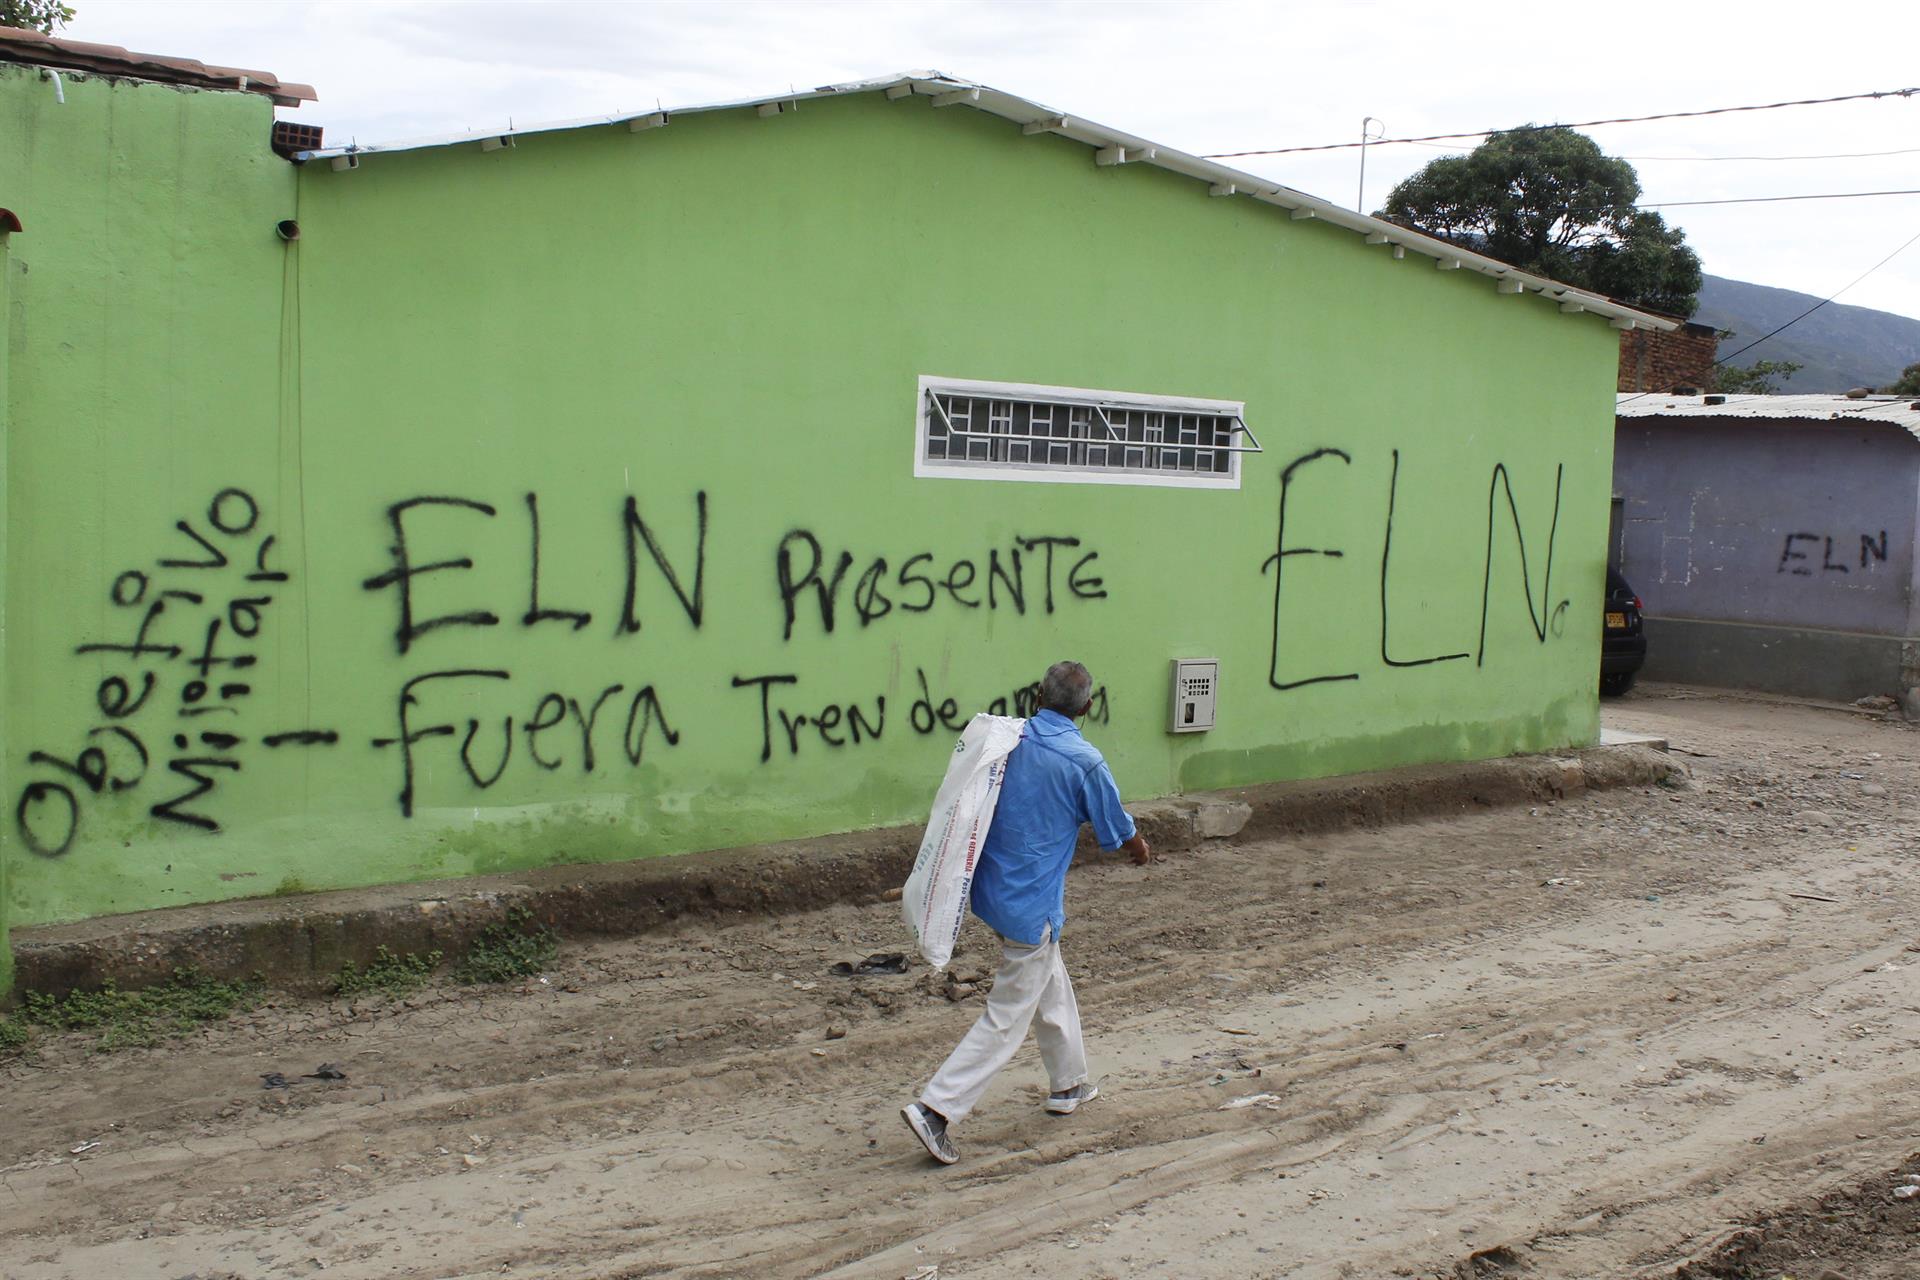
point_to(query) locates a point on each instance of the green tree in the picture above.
(35, 15)
(1549, 201)
(1908, 383)
(1755, 379)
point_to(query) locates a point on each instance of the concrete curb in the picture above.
(301, 942)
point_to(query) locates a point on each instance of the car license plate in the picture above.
(1616, 622)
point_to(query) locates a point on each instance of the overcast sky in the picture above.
(1204, 77)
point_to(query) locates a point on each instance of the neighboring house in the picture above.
(1773, 539)
(1679, 359)
(687, 479)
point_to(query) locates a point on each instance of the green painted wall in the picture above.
(730, 314)
(143, 355)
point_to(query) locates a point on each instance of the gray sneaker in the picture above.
(1068, 1101)
(932, 1132)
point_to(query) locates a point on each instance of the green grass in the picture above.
(13, 1036)
(517, 948)
(120, 1019)
(387, 973)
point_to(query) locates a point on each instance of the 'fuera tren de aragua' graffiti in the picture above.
(174, 720)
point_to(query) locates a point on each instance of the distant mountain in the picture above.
(1842, 347)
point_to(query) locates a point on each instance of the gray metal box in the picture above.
(1196, 683)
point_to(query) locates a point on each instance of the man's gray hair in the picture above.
(1067, 689)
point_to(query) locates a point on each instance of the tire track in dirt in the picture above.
(684, 1123)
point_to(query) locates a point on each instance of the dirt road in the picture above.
(1582, 1040)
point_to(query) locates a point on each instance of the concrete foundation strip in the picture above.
(301, 942)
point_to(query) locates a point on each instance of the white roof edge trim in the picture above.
(1024, 111)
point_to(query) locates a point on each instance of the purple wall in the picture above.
(1805, 524)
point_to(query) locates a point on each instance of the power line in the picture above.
(1694, 204)
(1720, 360)
(1819, 195)
(1824, 301)
(1578, 124)
(1838, 155)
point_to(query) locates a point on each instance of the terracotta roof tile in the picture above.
(37, 49)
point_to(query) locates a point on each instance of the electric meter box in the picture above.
(1196, 682)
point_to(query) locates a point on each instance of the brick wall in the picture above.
(1651, 361)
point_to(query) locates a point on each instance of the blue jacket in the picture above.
(1055, 781)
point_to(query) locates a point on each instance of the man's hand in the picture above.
(1142, 853)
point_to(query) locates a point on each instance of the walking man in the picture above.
(1055, 781)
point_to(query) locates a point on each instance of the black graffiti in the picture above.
(93, 769)
(791, 586)
(49, 811)
(837, 724)
(1789, 554)
(587, 720)
(191, 767)
(302, 738)
(1547, 614)
(551, 710)
(404, 571)
(1793, 560)
(409, 735)
(536, 612)
(923, 715)
(260, 571)
(116, 699)
(32, 797)
(216, 558)
(1277, 562)
(695, 604)
(800, 566)
(140, 647)
(1386, 559)
(847, 723)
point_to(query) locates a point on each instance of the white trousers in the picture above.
(1031, 988)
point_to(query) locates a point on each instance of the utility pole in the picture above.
(1366, 135)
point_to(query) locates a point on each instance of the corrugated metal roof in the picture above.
(37, 49)
(1111, 147)
(1899, 411)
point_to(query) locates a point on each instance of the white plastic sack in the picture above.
(934, 901)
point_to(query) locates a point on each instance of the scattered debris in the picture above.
(1813, 897)
(326, 1071)
(274, 1080)
(836, 1032)
(1236, 1031)
(83, 1147)
(1271, 1101)
(878, 962)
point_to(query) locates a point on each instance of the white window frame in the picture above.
(1044, 473)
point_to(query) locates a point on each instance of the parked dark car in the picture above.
(1623, 645)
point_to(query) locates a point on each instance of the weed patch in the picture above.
(516, 948)
(13, 1036)
(121, 1019)
(387, 973)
